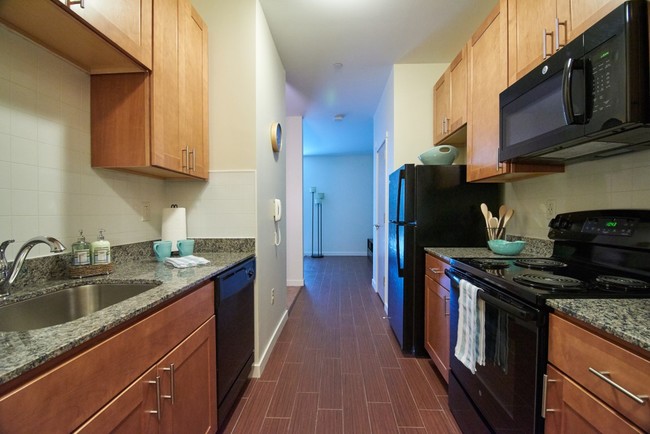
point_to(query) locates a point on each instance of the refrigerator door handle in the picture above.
(400, 268)
(400, 181)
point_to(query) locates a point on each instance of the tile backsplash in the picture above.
(615, 182)
(47, 186)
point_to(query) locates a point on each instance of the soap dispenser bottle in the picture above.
(81, 251)
(100, 250)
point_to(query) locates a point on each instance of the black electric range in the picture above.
(596, 254)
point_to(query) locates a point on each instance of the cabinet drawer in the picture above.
(571, 409)
(574, 350)
(435, 268)
(67, 395)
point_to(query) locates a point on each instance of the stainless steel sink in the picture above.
(66, 305)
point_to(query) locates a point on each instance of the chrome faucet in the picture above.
(9, 273)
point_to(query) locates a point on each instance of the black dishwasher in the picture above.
(234, 306)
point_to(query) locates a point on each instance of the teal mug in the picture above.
(162, 249)
(185, 247)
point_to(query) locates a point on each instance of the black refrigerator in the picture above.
(429, 206)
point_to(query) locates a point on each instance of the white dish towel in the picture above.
(470, 343)
(186, 261)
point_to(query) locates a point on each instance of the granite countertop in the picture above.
(25, 350)
(626, 319)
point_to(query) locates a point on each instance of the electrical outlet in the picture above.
(549, 208)
(272, 295)
(146, 211)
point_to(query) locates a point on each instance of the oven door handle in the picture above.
(522, 314)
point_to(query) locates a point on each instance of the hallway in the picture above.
(336, 367)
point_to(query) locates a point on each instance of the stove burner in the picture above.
(491, 264)
(621, 284)
(539, 263)
(549, 281)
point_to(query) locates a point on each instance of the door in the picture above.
(379, 245)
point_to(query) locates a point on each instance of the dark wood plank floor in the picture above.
(336, 367)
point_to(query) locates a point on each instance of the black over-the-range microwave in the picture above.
(589, 100)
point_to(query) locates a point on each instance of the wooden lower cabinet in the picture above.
(578, 400)
(162, 401)
(436, 314)
(572, 409)
(112, 384)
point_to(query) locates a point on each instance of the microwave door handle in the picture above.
(567, 96)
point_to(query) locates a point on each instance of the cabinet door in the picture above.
(441, 107)
(530, 23)
(189, 384)
(458, 91)
(571, 409)
(487, 78)
(437, 325)
(193, 72)
(127, 23)
(576, 16)
(133, 411)
(165, 137)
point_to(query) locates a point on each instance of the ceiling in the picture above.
(367, 37)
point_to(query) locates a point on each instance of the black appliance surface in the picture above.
(593, 96)
(428, 206)
(234, 308)
(596, 254)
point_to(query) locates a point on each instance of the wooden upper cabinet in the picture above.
(487, 78)
(156, 123)
(579, 15)
(531, 35)
(450, 102)
(127, 23)
(487, 71)
(105, 36)
(539, 28)
(441, 102)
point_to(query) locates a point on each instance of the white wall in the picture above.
(413, 110)
(271, 311)
(384, 119)
(616, 182)
(347, 183)
(231, 45)
(294, 204)
(47, 186)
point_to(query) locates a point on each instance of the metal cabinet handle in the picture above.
(545, 34)
(544, 386)
(81, 3)
(157, 412)
(602, 375)
(446, 301)
(192, 162)
(171, 375)
(435, 270)
(184, 158)
(559, 23)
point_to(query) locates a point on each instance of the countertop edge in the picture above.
(24, 351)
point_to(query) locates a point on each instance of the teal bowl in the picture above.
(503, 247)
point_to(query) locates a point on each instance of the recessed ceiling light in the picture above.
(339, 117)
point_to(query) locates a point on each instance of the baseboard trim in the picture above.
(296, 282)
(341, 254)
(259, 365)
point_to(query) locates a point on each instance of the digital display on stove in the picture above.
(610, 226)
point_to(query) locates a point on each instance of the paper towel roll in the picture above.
(174, 226)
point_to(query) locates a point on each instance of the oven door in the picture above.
(503, 395)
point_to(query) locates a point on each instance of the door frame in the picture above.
(380, 217)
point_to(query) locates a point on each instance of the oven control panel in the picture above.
(613, 227)
(610, 226)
